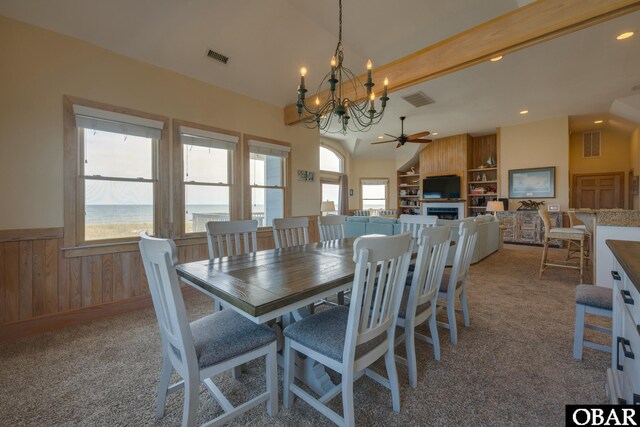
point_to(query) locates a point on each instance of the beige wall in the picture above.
(614, 153)
(373, 168)
(537, 144)
(634, 161)
(40, 66)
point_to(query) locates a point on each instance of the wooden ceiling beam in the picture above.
(526, 26)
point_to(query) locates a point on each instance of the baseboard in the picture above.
(16, 330)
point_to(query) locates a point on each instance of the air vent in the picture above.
(212, 54)
(591, 144)
(418, 99)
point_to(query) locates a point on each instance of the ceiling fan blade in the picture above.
(392, 136)
(383, 142)
(399, 145)
(419, 135)
(419, 141)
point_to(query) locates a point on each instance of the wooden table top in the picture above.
(269, 280)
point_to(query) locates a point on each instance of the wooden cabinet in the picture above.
(526, 227)
(482, 173)
(409, 192)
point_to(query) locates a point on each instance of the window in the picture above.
(331, 192)
(373, 193)
(330, 161)
(117, 171)
(207, 176)
(267, 181)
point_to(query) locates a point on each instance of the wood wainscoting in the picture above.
(42, 288)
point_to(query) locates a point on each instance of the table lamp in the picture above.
(327, 206)
(495, 206)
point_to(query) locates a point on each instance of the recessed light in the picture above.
(496, 58)
(598, 122)
(435, 133)
(625, 35)
(524, 112)
(381, 137)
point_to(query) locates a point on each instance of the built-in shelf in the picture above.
(412, 207)
(483, 169)
(478, 207)
(409, 196)
(409, 185)
(409, 182)
(408, 175)
(483, 195)
(483, 182)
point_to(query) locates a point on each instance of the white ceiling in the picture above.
(267, 42)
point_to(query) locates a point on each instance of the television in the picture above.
(441, 187)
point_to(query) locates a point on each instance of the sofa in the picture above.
(488, 232)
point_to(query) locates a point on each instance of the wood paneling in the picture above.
(445, 156)
(40, 287)
(526, 26)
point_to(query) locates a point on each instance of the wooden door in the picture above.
(598, 191)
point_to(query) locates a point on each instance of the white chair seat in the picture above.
(325, 332)
(224, 335)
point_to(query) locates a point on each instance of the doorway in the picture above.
(598, 191)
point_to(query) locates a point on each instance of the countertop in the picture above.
(628, 255)
(613, 217)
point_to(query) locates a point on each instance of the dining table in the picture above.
(274, 283)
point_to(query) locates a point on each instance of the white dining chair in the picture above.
(349, 339)
(331, 227)
(454, 282)
(420, 301)
(289, 232)
(228, 238)
(415, 223)
(206, 347)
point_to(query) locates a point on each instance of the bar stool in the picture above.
(575, 222)
(591, 300)
(567, 234)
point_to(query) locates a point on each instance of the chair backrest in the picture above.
(464, 252)
(574, 220)
(288, 232)
(159, 257)
(546, 219)
(331, 227)
(225, 237)
(433, 247)
(382, 263)
(415, 223)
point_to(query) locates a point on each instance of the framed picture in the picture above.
(537, 183)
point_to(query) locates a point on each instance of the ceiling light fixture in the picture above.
(524, 112)
(598, 122)
(625, 35)
(496, 58)
(358, 114)
(434, 134)
(380, 137)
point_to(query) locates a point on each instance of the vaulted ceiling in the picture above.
(584, 73)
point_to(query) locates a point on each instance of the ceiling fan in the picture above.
(403, 139)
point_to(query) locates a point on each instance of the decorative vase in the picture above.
(490, 160)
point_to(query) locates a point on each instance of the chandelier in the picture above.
(357, 114)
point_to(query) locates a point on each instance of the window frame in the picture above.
(74, 179)
(286, 176)
(363, 182)
(338, 155)
(332, 181)
(179, 185)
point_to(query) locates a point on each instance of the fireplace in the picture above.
(444, 210)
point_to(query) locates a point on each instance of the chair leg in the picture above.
(390, 362)
(581, 260)
(544, 257)
(465, 308)
(433, 327)
(340, 298)
(191, 397)
(451, 316)
(410, 346)
(165, 377)
(347, 399)
(289, 361)
(271, 363)
(578, 334)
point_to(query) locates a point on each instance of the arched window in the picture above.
(330, 161)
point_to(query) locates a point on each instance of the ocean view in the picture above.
(134, 214)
